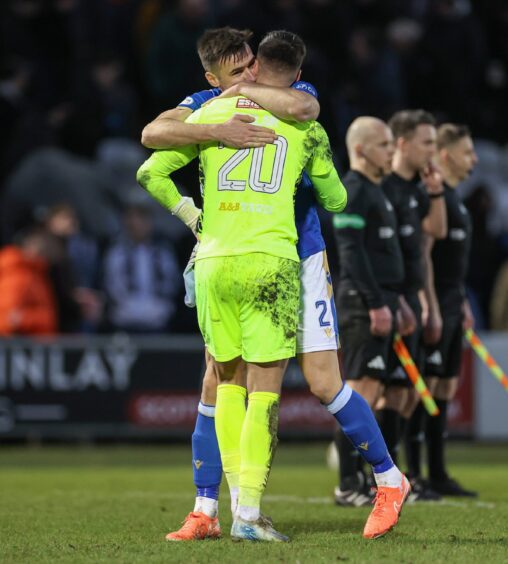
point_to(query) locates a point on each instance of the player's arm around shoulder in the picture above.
(330, 192)
(292, 103)
(167, 129)
(176, 127)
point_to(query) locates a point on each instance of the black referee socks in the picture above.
(413, 440)
(348, 459)
(389, 422)
(436, 437)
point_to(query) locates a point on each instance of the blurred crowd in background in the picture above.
(80, 78)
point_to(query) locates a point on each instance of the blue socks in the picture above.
(206, 462)
(360, 426)
(349, 408)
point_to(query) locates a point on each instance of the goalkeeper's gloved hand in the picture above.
(187, 211)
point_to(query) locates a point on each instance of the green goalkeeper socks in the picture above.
(257, 448)
(229, 419)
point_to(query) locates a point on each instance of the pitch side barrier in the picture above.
(121, 387)
(144, 387)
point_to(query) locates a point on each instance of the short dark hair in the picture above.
(218, 45)
(284, 50)
(450, 133)
(29, 233)
(58, 209)
(405, 122)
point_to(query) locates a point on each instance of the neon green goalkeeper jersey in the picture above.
(248, 194)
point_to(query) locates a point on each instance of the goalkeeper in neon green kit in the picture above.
(247, 267)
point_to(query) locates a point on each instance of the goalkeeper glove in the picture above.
(187, 211)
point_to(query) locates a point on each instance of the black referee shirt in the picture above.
(370, 257)
(411, 203)
(450, 256)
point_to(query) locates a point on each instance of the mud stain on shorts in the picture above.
(278, 296)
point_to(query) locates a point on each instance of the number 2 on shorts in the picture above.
(322, 322)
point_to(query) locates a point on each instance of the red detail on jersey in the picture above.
(245, 103)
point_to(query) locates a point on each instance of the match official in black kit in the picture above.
(415, 190)
(446, 278)
(371, 271)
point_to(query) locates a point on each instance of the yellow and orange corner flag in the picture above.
(483, 353)
(414, 375)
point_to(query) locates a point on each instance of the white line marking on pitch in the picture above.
(272, 498)
(329, 501)
(297, 499)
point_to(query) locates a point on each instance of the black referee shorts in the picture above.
(444, 358)
(414, 344)
(363, 354)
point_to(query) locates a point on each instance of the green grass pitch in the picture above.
(115, 504)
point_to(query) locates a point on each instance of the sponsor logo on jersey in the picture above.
(187, 102)
(413, 202)
(256, 208)
(377, 363)
(245, 103)
(229, 206)
(386, 232)
(435, 358)
(406, 230)
(457, 234)
(306, 87)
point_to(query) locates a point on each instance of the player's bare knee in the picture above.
(209, 388)
(396, 398)
(446, 389)
(322, 373)
(379, 404)
(413, 399)
(323, 389)
(230, 372)
(432, 382)
(368, 388)
(266, 376)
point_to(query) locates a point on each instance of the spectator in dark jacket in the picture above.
(76, 271)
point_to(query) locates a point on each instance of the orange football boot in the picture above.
(387, 508)
(197, 526)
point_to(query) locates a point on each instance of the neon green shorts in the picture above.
(248, 306)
